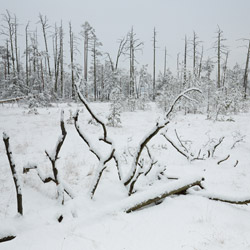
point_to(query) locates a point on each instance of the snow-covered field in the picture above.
(190, 222)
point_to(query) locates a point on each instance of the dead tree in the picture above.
(135, 170)
(220, 49)
(9, 31)
(195, 42)
(45, 26)
(86, 33)
(133, 46)
(185, 63)
(179, 187)
(14, 174)
(61, 35)
(102, 161)
(27, 54)
(200, 64)
(53, 157)
(16, 46)
(154, 47)
(225, 69)
(246, 70)
(71, 36)
(121, 51)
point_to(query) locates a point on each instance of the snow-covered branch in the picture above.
(183, 94)
(85, 103)
(143, 143)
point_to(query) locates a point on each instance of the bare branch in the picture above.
(226, 158)
(183, 94)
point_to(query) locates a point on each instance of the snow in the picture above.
(180, 222)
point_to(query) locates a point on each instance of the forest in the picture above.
(46, 71)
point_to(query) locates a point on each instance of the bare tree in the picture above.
(185, 62)
(27, 54)
(45, 26)
(121, 51)
(61, 34)
(195, 42)
(86, 33)
(14, 174)
(133, 46)
(71, 35)
(16, 46)
(246, 69)
(225, 69)
(9, 31)
(56, 54)
(154, 47)
(221, 49)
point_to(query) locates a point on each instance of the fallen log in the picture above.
(139, 201)
(15, 99)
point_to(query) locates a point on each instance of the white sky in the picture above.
(173, 19)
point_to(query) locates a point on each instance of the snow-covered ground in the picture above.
(190, 222)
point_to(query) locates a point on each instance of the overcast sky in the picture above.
(173, 19)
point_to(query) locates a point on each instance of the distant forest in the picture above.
(44, 72)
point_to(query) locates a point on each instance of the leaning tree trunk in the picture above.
(14, 174)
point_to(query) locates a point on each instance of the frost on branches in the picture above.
(114, 117)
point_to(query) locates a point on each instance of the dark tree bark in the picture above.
(246, 71)
(27, 54)
(71, 35)
(154, 47)
(153, 199)
(14, 174)
(45, 26)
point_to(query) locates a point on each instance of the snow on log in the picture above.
(232, 199)
(140, 200)
(14, 174)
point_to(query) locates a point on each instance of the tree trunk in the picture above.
(14, 174)
(246, 72)
(154, 42)
(178, 189)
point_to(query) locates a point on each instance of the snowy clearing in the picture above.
(189, 221)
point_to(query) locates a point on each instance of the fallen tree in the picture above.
(141, 200)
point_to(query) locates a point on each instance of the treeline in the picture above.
(47, 70)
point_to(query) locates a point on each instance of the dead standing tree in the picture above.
(53, 157)
(220, 49)
(246, 69)
(102, 161)
(14, 174)
(45, 26)
(136, 169)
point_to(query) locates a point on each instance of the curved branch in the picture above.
(183, 94)
(75, 117)
(85, 103)
(151, 134)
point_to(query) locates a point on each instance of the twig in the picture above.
(219, 162)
